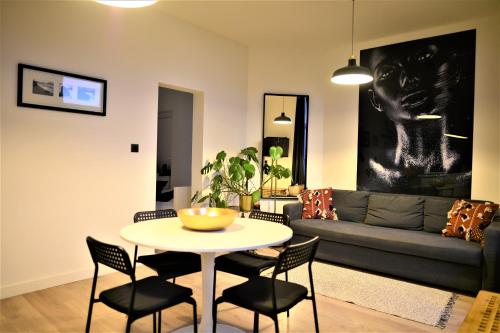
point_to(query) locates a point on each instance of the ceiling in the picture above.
(257, 23)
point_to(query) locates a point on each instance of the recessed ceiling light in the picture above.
(128, 3)
(429, 116)
(455, 136)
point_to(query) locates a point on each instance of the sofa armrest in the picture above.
(293, 210)
(491, 254)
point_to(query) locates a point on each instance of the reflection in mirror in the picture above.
(285, 125)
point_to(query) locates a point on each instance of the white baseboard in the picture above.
(48, 282)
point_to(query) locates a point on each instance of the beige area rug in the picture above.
(403, 299)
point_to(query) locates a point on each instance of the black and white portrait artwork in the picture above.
(416, 117)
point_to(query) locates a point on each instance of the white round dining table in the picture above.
(242, 234)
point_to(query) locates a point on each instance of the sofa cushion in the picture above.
(317, 204)
(414, 243)
(351, 205)
(435, 213)
(395, 211)
(468, 219)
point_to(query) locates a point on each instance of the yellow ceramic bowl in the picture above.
(207, 218)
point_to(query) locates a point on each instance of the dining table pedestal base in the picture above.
(221, 328)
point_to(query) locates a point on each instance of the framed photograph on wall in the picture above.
(49, 89)
(416, 117)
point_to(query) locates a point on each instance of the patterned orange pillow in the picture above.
(468, 219)
(318, 204)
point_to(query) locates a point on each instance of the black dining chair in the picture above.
(249, 263)
(136, 299)
(269, 296)
(168, 264)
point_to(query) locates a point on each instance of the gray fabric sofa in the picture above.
(400, 235)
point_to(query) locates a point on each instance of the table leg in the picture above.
(207, 273)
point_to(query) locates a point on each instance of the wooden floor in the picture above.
(64, 309)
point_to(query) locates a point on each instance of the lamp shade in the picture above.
(352, 74)
(270, 141)
(282, 119)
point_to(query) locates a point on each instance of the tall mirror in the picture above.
(285, 125)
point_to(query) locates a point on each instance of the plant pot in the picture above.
(245, 203)
(294, 190)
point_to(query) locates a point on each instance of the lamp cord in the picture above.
(352, 30)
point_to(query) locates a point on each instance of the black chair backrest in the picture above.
(296, 255)
(154, 214)
(271, 217)
(110, 255)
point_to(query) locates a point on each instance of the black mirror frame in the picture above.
(306, 133)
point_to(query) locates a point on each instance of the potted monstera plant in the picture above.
(231, 177)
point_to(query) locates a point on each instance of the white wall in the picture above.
(178, 133)
(66, 176)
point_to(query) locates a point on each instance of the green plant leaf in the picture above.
(234, 160)
(249, 169)
(217, 165)
(202, 199)
(235, 172)
(250, 153)
(220, 203)
(221, 155)
(207, 168)
(217, 181)
(275, 152)
(195, 196)
(286, 173)
(279, 172)
(256, 196)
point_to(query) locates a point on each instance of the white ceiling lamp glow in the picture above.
(352, 73)
(128, 3)
(282, 119)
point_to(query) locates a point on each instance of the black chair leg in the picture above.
(214, 316)
(92, 300)
(129, 323)
(195, 318)
(154, 322)
(173, 280)
(89, 316)
(316, 324)
(276, 326)
(159, 321)
(286, 279)
(255, 322)
(213, 287)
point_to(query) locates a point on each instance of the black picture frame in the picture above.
(50, 89)
(416, 118)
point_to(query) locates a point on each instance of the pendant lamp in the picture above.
(283, 118)
(352, 74)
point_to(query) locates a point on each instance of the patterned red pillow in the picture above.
(318, 204)
(468, 219)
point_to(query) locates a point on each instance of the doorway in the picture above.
(174, 148)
